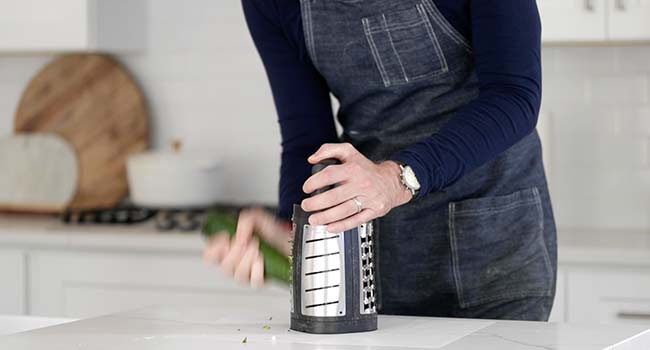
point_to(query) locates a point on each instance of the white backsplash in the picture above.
(206, 86)
(596, 101)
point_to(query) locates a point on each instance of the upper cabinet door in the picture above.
(573, 20)
(629, 19)
(72, 25)
(33, 24)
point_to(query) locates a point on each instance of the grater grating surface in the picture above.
(323, 273)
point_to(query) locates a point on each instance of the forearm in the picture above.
(506, 42)
(477, 134)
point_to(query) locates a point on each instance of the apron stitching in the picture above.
(375, 52)
(392, 44)
(446, 27)
(309, 31)
(434, 39)
(432, 74)
(454, 255)
(498, 209)
(547, 258)
(398, 27)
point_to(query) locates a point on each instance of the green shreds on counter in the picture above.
(276, 265)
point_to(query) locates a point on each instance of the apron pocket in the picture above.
(498, 249)
(404, 46)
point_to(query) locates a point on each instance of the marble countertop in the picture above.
(255, 326)
(24, 231)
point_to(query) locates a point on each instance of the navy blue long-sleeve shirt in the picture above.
(505, 36)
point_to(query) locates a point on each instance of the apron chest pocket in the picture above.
(498, 248)
(404, 46)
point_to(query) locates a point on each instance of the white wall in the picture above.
(206, 85)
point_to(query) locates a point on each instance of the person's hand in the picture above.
(240, 256)
(366, 190)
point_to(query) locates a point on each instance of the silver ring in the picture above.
(358, 203)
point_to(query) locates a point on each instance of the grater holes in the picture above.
(368, 299)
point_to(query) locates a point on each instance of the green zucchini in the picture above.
(276, 265)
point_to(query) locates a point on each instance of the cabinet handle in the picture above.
(621, 5)
(633, 315)
(590, 6)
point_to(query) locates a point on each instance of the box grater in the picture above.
(333, 286)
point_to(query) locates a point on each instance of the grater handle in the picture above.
(318, 168)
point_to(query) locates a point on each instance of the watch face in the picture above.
(410, 179)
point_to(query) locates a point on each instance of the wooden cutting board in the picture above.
(39, 173)
(93, 103)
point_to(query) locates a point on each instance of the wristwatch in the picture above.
(409, 180)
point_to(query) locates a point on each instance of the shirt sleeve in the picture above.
(506, 38)
(300, 94)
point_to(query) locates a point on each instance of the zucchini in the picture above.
(276, 265)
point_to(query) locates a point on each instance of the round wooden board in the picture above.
(92, 102)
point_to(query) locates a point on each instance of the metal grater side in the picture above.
(366, 270)
(323, 273)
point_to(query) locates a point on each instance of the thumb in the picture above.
(340, 151)
(273, 231)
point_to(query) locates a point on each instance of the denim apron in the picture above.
(482, 247)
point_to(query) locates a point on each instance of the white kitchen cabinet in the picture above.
(609, 295)
(629, 20)
(594, 20)
(12, 282)
(558, 313)
(573, 20)
(72, 25)
(84, 284)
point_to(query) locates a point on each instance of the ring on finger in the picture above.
(358, 203)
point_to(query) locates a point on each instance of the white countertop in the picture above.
(266, 326)
(575, 246)
(17, 324)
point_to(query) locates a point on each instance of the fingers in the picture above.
(240, 256)
(351, 222)
(340, 151)
(272, 230)
(338, 213)
(231, 261)
(257, 272)
(329, 199)
(243, 269)
(245, 226)
(331, 175)
(217, 248)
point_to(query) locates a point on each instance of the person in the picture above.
(439, 100)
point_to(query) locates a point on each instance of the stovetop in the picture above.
(166, 219)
